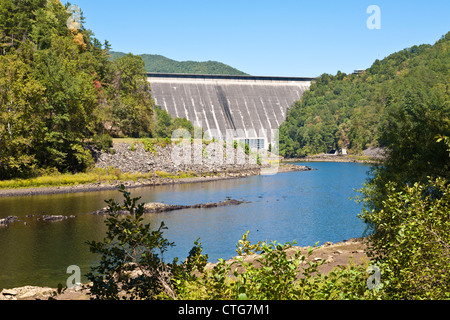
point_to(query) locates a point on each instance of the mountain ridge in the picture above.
(161, 64)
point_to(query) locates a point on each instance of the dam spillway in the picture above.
(250, 107)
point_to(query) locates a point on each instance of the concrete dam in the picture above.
(243, 108)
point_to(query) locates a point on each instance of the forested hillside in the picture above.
(353, 111)
(401, 103)
(61, 94)
(158, 63)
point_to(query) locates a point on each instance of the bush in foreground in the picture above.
(410, 240)
(132, 266)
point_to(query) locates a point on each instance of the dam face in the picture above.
(246, 108)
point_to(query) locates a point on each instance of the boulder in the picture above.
(6, 221)
(55, 217)
(27, 293)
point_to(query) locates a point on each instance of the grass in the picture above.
(179, 175)
(96, 175)
(127, 140)
(154, 141)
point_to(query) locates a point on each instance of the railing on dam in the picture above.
(226, 77)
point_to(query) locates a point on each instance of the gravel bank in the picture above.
(161, 160)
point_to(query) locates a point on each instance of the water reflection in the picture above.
(303, 206)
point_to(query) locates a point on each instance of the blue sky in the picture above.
(272, 38)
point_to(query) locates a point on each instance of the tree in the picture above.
(21, 97)
(49, 21)
(16, 20)
(69, 109)
(132, 262)
(406, 201)
(362, 105)
(51, 102)
(131, 101)
(410, 242)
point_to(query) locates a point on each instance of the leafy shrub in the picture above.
(410, 240)
(131, 266)
(247, 149)
(149, 145)
(273, 274)
(80, 158)
(103, 142)
(132, 147)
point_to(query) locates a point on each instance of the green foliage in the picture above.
(21, 97)
(52, 85)
(149, 146)
(103, 142)
(158, 63)
(166, 125)
(132, 147)
(70, 102)
(16, 21)
(275, 277)
(60, 91)
(354, 111)
(131, 103)
(244, 246)
(258, 160)
(414, 125)
(131, 264)
(406, 202)
(410, 240)
(445, 139)
(50, 21)
(163, 124)
(265, 271)
(205, 153)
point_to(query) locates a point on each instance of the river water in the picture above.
(305, 207)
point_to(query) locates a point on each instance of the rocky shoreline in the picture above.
(333, 255)
(136, 159)
(370, 156)
(154, 181)
(333, 158)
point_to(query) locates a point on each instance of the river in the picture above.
(304, 206)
